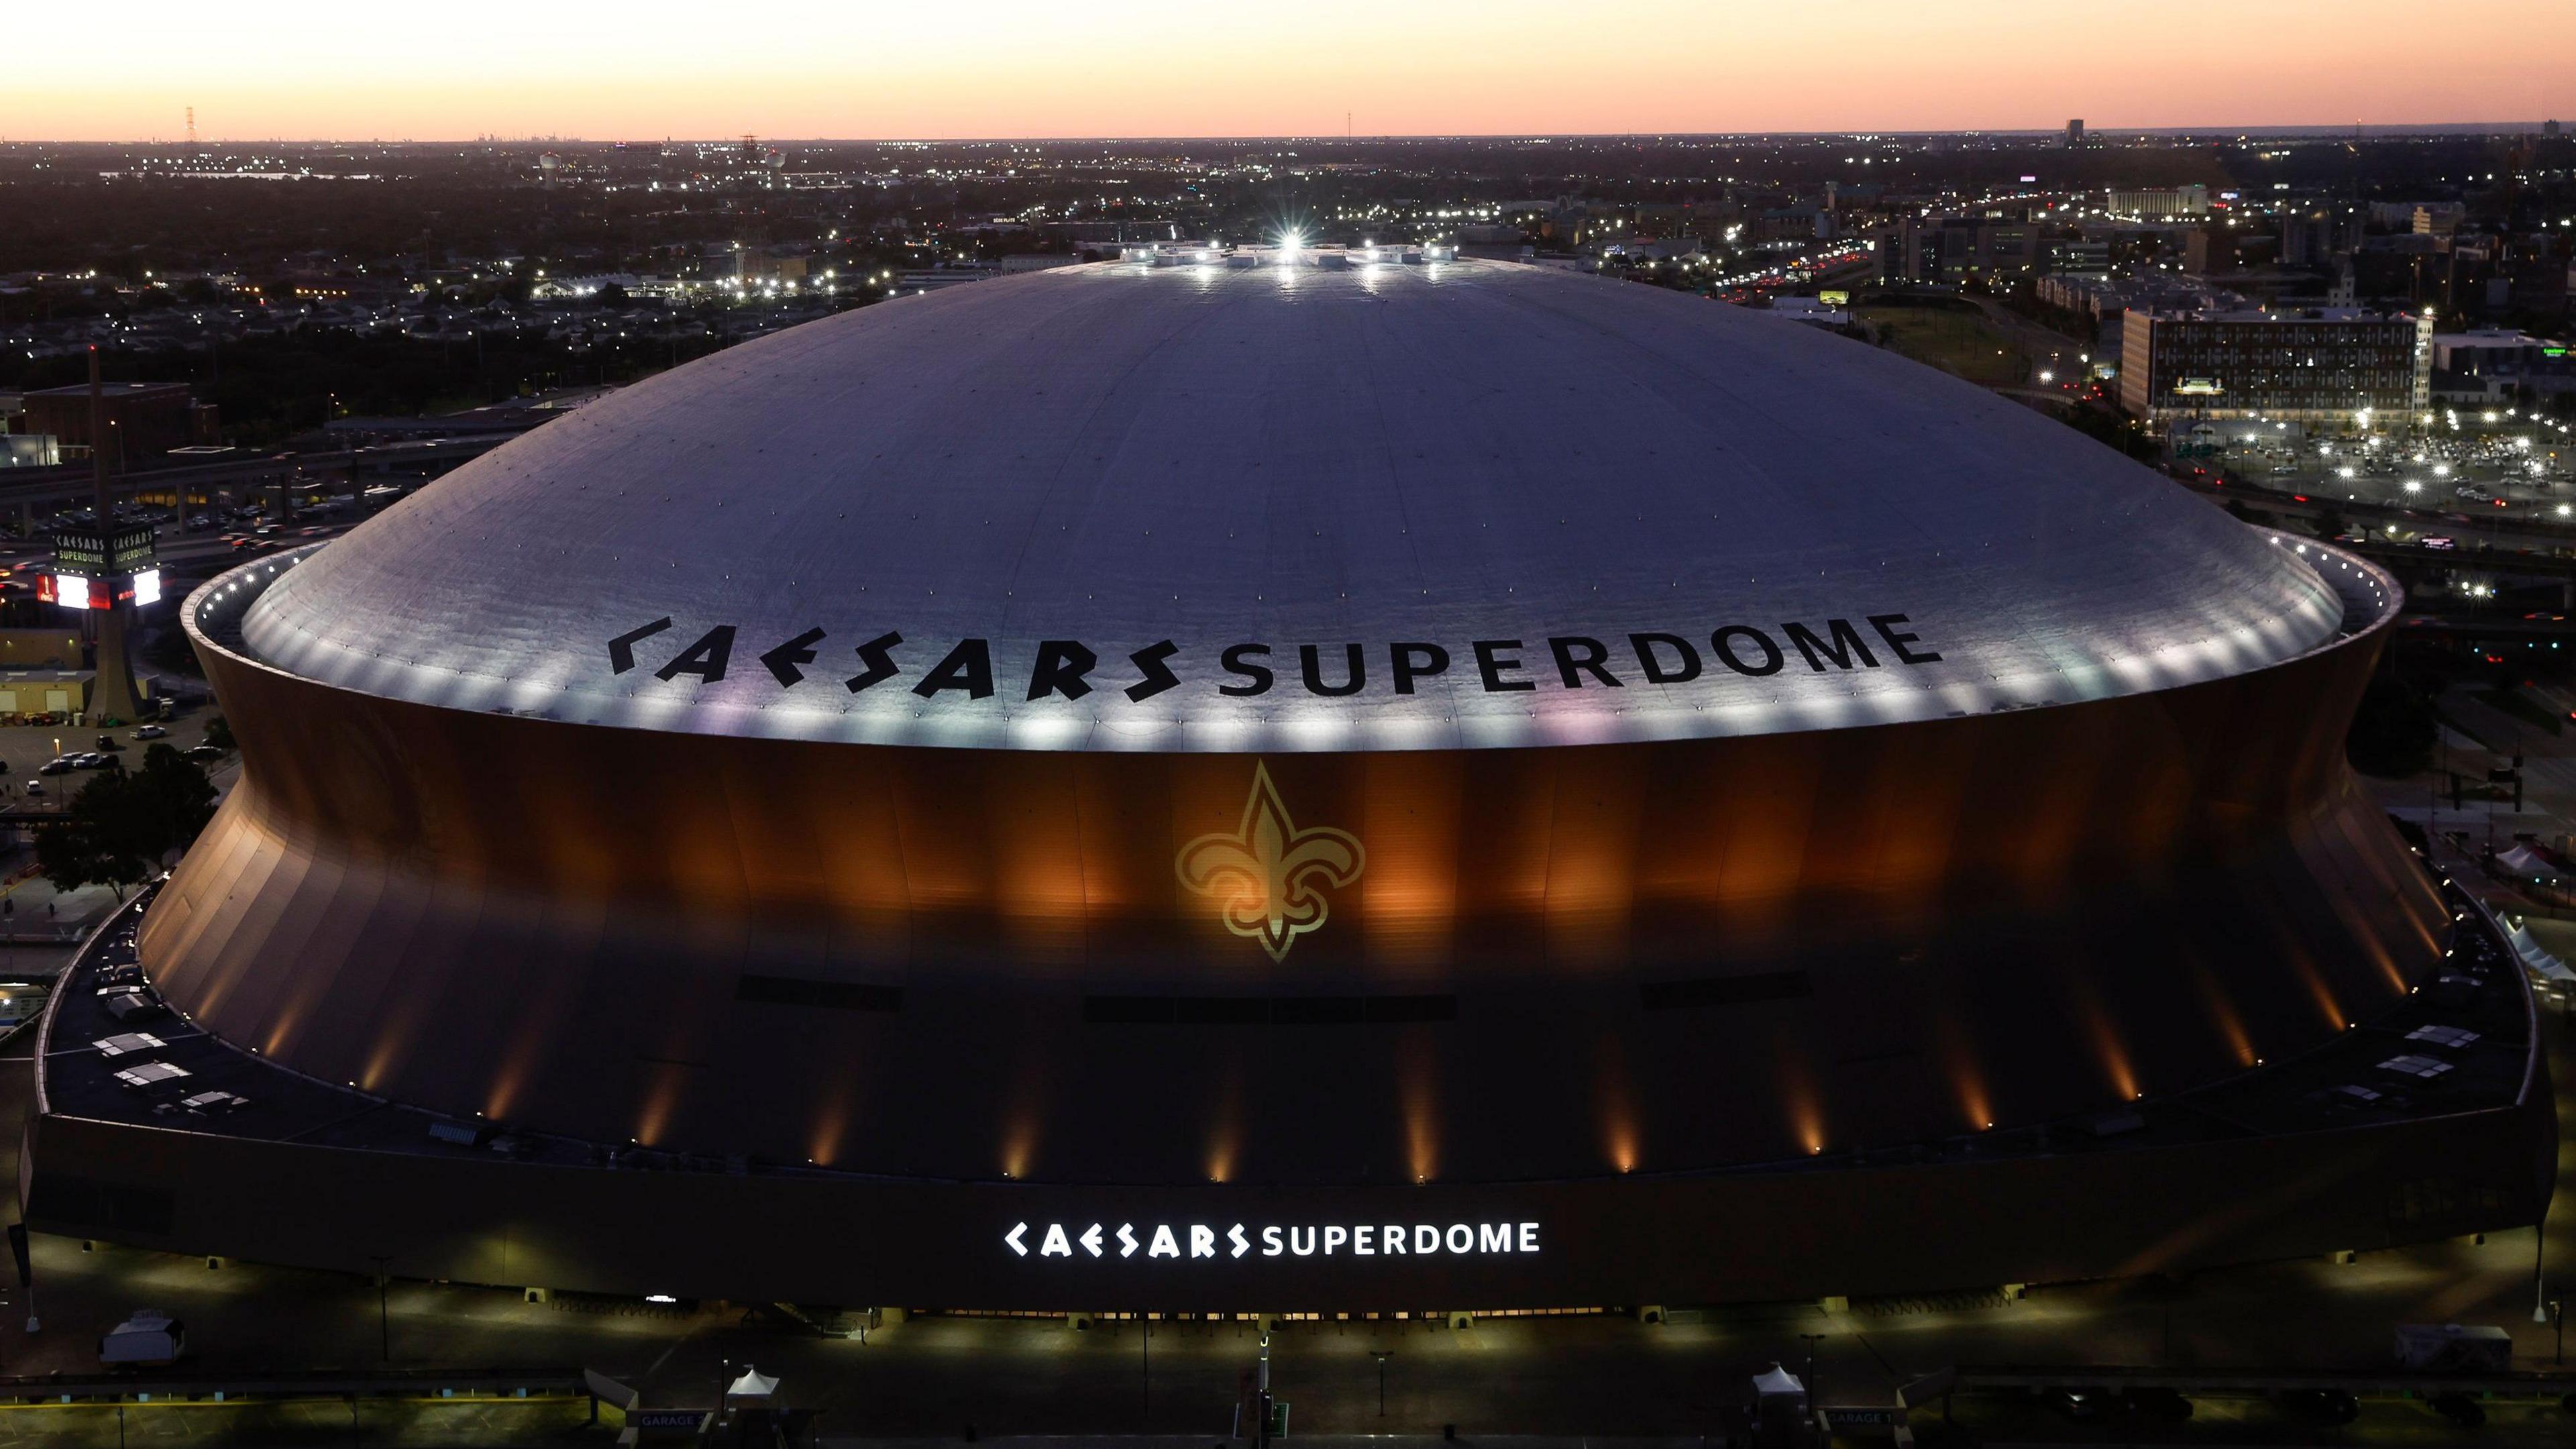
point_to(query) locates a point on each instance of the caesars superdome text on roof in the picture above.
(1063, 667)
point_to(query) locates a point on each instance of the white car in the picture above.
(151, 732)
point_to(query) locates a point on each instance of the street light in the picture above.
(1381, 1355)
(1261, 1394)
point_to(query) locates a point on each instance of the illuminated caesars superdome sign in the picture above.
(1273, 1240)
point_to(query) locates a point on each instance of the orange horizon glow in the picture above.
(1020, 69)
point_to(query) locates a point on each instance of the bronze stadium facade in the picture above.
(1298, 784)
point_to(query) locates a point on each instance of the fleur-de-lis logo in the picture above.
(1268, 877)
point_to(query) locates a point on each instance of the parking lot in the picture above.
(26, 750)
(2522, 469)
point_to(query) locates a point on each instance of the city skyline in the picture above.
(1020, 70)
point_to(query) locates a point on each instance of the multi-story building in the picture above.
(2158, 202)
(1955, 248)
(2320, 365)
(2437, 218)
(2085, 258)
(1793, 223)
(2209, 250)
(1913, 251)
(2005, 247)
(2316, 234)
(2075, 291)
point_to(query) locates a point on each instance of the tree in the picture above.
(94, 844)
(220, 734)
(179, 800)
(124, 825)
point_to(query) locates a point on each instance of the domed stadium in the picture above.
(1289, 781)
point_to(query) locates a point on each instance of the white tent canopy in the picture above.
(1777, 1380)
(2535, 957)
(752, 1385)
(2528, 863)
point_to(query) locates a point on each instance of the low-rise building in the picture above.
(2104, 299)
(29, 450)
(63, 693)
(143, 419)
(2497, 364)
(1815, 310)
(2485, 350)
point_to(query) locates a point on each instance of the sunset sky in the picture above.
(299, 69)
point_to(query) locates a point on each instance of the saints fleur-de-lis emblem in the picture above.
(1268, 877)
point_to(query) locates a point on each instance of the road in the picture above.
(2049, 350)
(35, 493)
(2419, 539)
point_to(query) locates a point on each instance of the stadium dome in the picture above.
(1144, 733)
(1159, 464)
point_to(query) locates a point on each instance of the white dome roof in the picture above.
(1163, 469)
